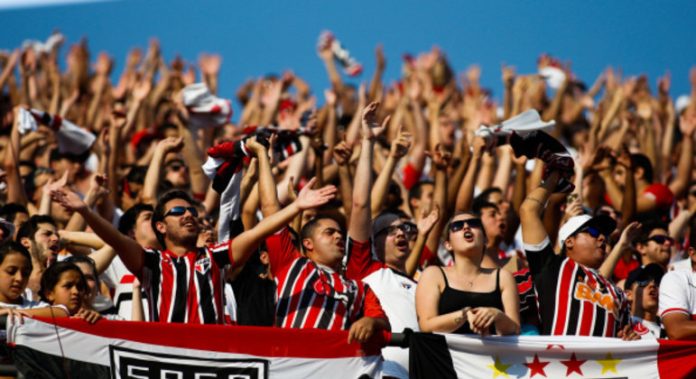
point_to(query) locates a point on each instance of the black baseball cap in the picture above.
(647, 273)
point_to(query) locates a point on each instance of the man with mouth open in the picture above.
(312, 290)
(574, 298)
(184, 282)
(40, 236)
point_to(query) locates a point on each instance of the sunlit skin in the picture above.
(653, 252)
(14, 276)
(68, 291)
(179, 230)
(45, 246)
(91, 279)
(393, 249)
(587, 250)
(327, 245)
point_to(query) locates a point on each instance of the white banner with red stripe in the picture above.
(145, 350)
(549, 357)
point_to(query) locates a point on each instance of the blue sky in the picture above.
(260, 37)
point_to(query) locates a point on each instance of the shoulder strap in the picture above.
(497, 280)
(444, 276)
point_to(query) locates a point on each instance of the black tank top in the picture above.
(454, 300)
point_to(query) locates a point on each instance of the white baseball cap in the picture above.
(603, 223)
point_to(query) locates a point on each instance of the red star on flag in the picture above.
(536, 367)
(551, 346)
(573, 365)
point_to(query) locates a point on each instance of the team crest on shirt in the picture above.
(406, 286)
(203, 265)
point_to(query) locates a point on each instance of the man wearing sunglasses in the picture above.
(574, 299)
(183, 280)
(655, 246)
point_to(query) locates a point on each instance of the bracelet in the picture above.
(536, 200)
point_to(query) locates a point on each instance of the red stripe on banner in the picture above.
(675, 359)
(258, 341)
(127, 279)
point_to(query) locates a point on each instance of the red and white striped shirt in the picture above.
(312, 296)
(575, 300)
(187, 288)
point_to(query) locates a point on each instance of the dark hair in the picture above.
(86, 260)
(642, 161)
(480, 205)
(417, 190)
(311, 226)
(51, 277)
(9, 211)
(647, 228)
(692, 231)
(127, 221)
(486, 194)
(12, 247)
(29, 228)
(158, 213)
(137, 174)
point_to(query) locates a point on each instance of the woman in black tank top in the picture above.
(467, 298)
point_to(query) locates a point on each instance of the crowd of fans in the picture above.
(379, 207)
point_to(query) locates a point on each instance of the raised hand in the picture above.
(508, 75)
(309, 198)
(400, 146)
(255, 147)
(141, 90)
(68, 200)
(370, 126)
(664, 83)
(687, 124)
(428, 221)
(103, 65)
(342, 153)
(381, 61)
(54, 185)
(189, 76)
(209, 64)
(330, 97)
(98, 186)
(441, 157)
(171, 144)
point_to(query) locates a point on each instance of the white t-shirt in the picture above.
(646, 329)
(678, 293)
(397, 294)
(118, 278)
(681, 265)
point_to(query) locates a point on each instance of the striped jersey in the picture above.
(575, 300)
(187, 288)
(312, 296)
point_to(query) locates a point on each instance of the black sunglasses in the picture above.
(591, 230)
(660, 239)
(408, 228)
(180, 210)
(474, 223)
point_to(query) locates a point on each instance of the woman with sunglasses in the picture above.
(467, 298)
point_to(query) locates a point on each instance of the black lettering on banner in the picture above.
(137, 364)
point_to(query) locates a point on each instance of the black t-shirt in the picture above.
(575, 300)
(255, 297)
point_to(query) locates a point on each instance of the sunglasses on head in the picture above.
(660, 239)
(591, 230)
(180, 210)
(474, 223)
(408, 228)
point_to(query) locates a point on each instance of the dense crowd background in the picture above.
(348, 208)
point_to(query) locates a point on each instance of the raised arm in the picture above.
(244, 244)
(399, 148)
(127, 249)
(627, 235)
(154, 171)
(687, 125)
(360, 225)
(533, 232)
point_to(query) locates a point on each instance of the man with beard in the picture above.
(40, 236)
(183, 280)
